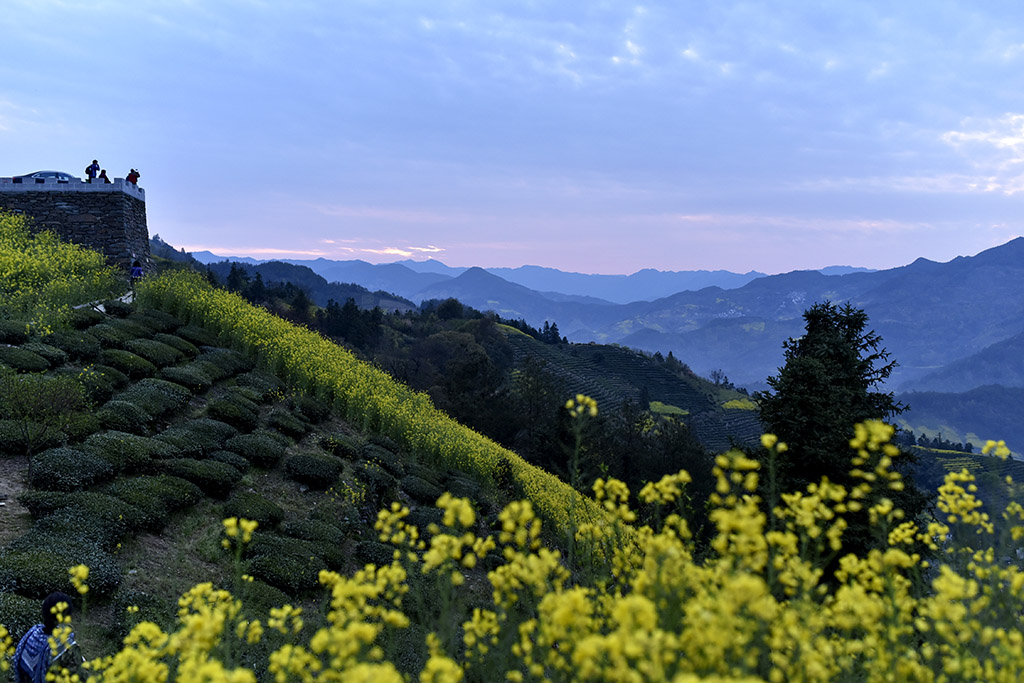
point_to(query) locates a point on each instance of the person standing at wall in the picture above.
(103, 176)
(133, 177)
(92, 169)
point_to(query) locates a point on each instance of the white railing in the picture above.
(52, 184)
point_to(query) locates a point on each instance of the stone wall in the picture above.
(108, 218)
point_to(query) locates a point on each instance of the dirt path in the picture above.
(14, 518)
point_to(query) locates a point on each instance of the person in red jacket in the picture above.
(133, 177)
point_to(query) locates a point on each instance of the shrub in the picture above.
(156, 496)
(81, 425)
(13, 331)
(213, 477)
(78, 344)
(423, 472)
(187, 348)
(275, 545)
(157, 609)
(156, 320)
(197, 335)
(210, 369)
(310, 408)
(383, 457)
(252, 505)
(19, 614)
(233, 459)
(89, 522)
(127, 362)
(126, 452)
(259, 448)
(101, 381)
(36, 564)
(192, 376)
(67, 469)
(39, 406)
(231, 361)
(53, 355)
(421, 490)
(123, 416)
(21, 360)
(234, 412)
(318, 471)
(157, 353)
(262, 383)
(379, 484)
(13, 441)
(109, 336)
(423, 517)
(156, 396)
(375, 552)
(260, 597)
(338, 444)
(291, 574)
(315, 530)
(117, 308)
(84, 317)
(196, 437)
(463, 487)
(287, 423)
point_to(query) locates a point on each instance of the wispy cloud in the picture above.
(995, 148)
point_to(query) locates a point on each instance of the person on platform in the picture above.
(103, 176)
(91, 170)
(133, 177)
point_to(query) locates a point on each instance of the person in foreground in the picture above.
(34, 656)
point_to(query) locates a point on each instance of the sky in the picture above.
(597, 137)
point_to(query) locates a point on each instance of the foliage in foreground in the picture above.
(645, 608)
(29, 288)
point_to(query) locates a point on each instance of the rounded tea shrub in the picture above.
(133, 365)
(53, 355)
(123, 416)
(117, 308)
(109, 336)
(157, 353)
(156, 396)
(156, 320)
(375, 552)
(84, 317)
(316, 470)
(213, 478)
(13, 331)
(37, 563)
(254, 506)
(275, 545)
(78, 344)
(67, 469)
(195, 437)
(234, 412)
(81, 425)
(191, 376)
(287, 424)
(421, 490)
(101, 381)
(231, 361)
(262, 383)
(22, 360)
(316, 530)
(199, 336)
(156, 496)
(293, 575)
(19, 614)
(310, 408)
(126, 452)
(186, 348)
(13, 441)
(233, 459)
(259, 448)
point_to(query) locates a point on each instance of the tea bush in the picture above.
(157, 353)
(314, 530)
(310, 408)
(85, 317)
(13, 331)
(289, 573)
(232, 362)
(78, 344)
(262, 383)
(252, 505)
(125, 452)
(117, 308)
(196, 437)
(191, 376)
(67, 469)
(14, 442)
(259, 448)
(233, 459)
(186, 348)
(235, 412)
(80, 425)
(21, 360)
(127, 362)
(156, 496)
(287, 423)
(156, 396)
(420, 490)
(274, 544)
(19, 613)
(36, 564)
(110, 336)
(53, 355)
(214, 478)
(155, 320)
(317, 470)
(197, 335)
(101, 381)
(123, 416)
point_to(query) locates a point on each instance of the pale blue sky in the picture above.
(589, 136)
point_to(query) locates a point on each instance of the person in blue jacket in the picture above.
(33, 657)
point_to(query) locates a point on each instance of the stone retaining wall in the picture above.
(110, 218)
